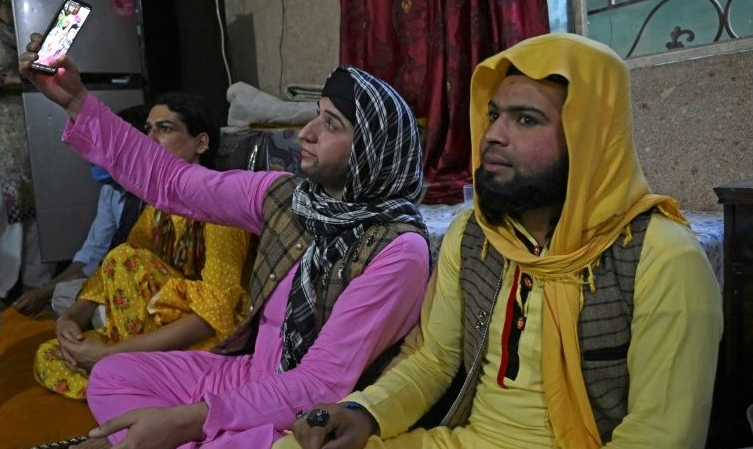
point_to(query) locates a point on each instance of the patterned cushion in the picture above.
(260, 149)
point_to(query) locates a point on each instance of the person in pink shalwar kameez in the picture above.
(363, 164)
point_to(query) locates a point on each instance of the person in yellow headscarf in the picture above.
(575, 306)
(176, 282)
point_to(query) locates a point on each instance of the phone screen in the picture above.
(63, 29)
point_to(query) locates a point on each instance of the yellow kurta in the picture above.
(141, 292)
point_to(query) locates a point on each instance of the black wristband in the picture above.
(350, 405)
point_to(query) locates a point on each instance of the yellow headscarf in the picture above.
(606, 189)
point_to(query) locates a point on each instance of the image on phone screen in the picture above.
(63, 29)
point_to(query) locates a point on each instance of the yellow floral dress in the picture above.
(141, 291)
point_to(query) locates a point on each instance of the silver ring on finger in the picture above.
(317, 417)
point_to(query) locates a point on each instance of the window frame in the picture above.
(579, 16)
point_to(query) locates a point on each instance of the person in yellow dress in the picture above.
(176, 283)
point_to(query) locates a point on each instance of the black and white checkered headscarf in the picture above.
(383, 182)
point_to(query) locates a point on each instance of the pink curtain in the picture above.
(427, 50)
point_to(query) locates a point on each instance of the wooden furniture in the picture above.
(735, 377)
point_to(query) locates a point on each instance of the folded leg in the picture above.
(129, 381)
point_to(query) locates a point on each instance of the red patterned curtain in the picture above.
(427, 50)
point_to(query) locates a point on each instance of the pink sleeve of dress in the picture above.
(146, 169)
(376, 309)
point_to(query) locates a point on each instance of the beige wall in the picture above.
(693, 128)
(283, 41)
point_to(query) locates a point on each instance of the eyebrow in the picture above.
(334, 116)
(159, 123)
(516, 108)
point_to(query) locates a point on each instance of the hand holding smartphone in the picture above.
(61, 32)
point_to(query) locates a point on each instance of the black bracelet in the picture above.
(350, 405)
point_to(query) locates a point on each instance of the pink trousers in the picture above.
(128, 381)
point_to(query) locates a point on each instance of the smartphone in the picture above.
(63, 29)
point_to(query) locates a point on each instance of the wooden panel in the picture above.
(735, 376)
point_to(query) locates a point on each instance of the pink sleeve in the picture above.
(376, 309)
(141, 166)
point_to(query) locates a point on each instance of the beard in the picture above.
(330, 177)
(547, 187)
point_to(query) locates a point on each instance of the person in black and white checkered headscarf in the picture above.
(341, 270)
(380, 183)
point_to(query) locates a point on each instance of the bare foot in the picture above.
(93, 443)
